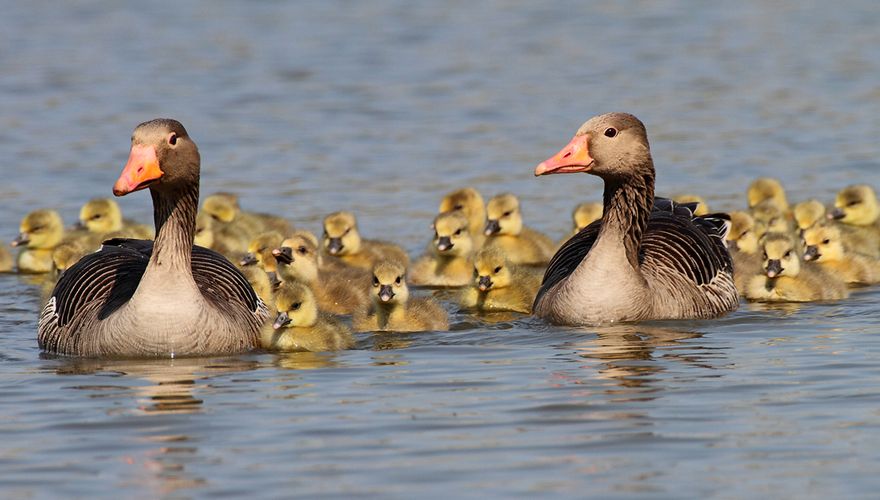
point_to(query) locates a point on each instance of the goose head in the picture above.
(451, 236)
(491, 270)
(808, 213)
(468, 202)
(781, 258)
(341, 235)
(856, 205)
(296, 306)
(40, 229)
(389, 284)
(503, 216)
(298, 256)
(586, 213)
(742, 235)
(162, 157)
(763, 189)
(611, 146)
(222, 207)
(823, 243)
(101, 215)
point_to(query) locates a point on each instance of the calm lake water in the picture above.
(380, 107)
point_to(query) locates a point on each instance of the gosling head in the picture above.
(222, 207)
(611, 146)
(260, 282)
(296, 306)
(468, 202)
(808, 213)
(781, 257)
(823, 244)
(772, 216)
(586, 213)
(341, 236)
(491, 270)
(503, 216)
(763, 189)
(856, 205)
(66, 255)
(101, 215)
(451, 235)
(389, 284)
(299, 256)
(40, 229)
(742, 235)
(260, 250)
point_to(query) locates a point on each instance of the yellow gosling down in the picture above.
(103, 216)
(786, 278)
(235, 231)
(584, 214)
(702, 206)
(808, 213)
(499, 285)
(450, 260)
(506, 232)
(299, 326)
(392, 309)
(40, 232)
(338, 289)
(857, 209)
(825, 246)
(343, 240)
(261, 283)
(6, 260)
(767, 190)
(259, 252)
(742, 241)
(469, 203)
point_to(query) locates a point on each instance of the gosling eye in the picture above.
(765, 255)
(302, 250)
(826, 241)
(172, 139)
(36, 229)
(346, 231)
(744, 233)
(96, 216)
(497, 269)
(397, 280)
(507, 214)
(610, 132)
(375, 281)
(852, 203)
(296, 306)
(458, 232)
(476, 272)
(787, 254)
(458, 207)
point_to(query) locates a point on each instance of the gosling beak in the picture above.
(140, 172)
(249, 259)
(812, 253)
(492, 227)
(281, 321)
(444, 243)
(484, 283)
(273, 279)
(836, 214)
(386, 293)
(334, 246)
(79, 226)
(284, 255)
(21, 239)
(774, 268)
(574, 157)
(732, 246)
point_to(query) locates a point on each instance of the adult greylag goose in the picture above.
(642, 260)
(138, 298)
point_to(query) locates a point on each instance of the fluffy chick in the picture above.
(449, 262)
(392, 308)
(500, 286)
(299, 326)
(506, 232)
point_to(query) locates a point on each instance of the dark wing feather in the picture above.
(220, 281)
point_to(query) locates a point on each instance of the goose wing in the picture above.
(102, 282)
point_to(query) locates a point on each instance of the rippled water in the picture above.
(380, 107)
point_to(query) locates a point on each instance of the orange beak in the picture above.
(141, 170)
(574, 157)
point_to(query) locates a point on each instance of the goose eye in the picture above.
(826, 241)
(610, 132)
(397, 280)
(296, 306)
(172, 139)
(375, 281)
(497, 269)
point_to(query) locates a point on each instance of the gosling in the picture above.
(393, 310)
(41, 232)
(742, 241)
(299, 326)
(469, 203)
(499, 285)
(857, 209)
(450, 260)
(102, 216)
(260, 253)
(825, 246)
(343, 240)
(505, 231)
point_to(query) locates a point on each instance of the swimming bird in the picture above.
(225, 209)
(6, 260)
(343, 240)
(499, 285)
(583, 215)
(825, 246)
(767, 190)
(786, 278)
(742, 240)
(808, 213)
(40, 232)
(300, 326)
(506, 232)
(260, 253)
(102, 216)
(137, 298)
(338, 289)
(392, 308)
(449, 262)
(469, 202)
(643, 260)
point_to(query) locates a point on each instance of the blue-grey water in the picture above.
(380, 107)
